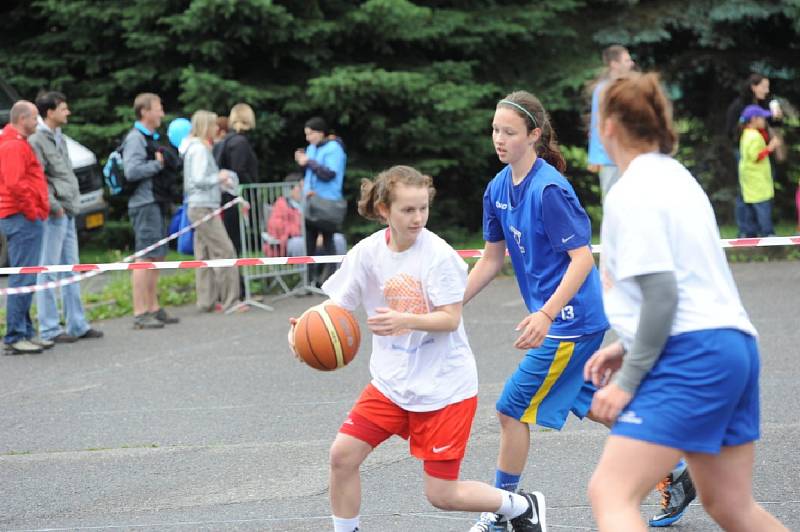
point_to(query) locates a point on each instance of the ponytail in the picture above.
(547, 148)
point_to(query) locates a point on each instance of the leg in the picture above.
(515, 442)
(204, 283)
(329, 249)
(151, 283)
(24, 249)
(346, 456)
(725, 484)
(225, 280)
(627, 471)
(53, 235)
(139, 286)
(763, 215)
(71, 293)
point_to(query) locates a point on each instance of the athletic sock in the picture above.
(506, 481)
(513, 505)
(678, 469)
(341, 524)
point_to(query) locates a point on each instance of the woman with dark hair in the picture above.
(323, 162)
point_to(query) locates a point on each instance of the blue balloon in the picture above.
(177, 131)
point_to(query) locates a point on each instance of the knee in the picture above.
(595, 491)
(342, 458)
(443, 499)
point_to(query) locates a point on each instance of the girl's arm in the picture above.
(486, 269)
(389, 322)
(535, 326)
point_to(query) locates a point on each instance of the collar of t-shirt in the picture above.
(518, 191)
(146, 132)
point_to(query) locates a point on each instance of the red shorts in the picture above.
(439, 437)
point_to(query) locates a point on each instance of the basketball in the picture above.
(326, 337)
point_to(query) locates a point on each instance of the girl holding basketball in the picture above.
(684, 377)
(531, 209)
(424, 379)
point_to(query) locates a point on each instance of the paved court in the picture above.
(211, 425)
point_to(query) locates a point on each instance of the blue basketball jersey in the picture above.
(541, 219)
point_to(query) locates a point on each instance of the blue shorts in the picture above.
(702, 394)
(548, 384)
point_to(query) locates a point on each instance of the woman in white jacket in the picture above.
(202, 182)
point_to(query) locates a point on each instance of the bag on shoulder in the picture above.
(324, 214)
(114, 174)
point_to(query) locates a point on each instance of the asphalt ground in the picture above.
(210, 424)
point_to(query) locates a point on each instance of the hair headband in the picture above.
(518, 106)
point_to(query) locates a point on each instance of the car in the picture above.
(93, 206)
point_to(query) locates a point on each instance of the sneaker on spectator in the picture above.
(91, 333)
(23, 347)
(64, 338)
(41, 342)
(147, 321)
(162, 316)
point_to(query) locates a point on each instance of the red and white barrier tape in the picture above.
(279, 261)
(87, 270)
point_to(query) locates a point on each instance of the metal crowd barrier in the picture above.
(257, 242)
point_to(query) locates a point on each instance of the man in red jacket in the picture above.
(23, 207)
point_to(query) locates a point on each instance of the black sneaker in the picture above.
(676, 494)
(533, 520)
(162, 316)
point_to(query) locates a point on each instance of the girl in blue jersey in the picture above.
(531, 209)
(684, 377)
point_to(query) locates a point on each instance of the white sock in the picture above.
(341, 524)
(513, 505)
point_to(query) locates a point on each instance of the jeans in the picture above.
(761, 214)
(745, 219)
(24, 247)
(60, 246)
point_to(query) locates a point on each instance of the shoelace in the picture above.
(663, 487)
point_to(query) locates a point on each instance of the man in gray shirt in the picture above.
(143, 163)
(60, 239)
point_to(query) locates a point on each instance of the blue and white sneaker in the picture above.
(489, 522)
(676, 494)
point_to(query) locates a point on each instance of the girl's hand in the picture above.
(300, 157)
(290, 338)
(387, 322)
(534, 329)
(603, 364)
(608, 402)
(774, 143)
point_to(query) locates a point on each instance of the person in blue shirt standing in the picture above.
(618, 63)
(531, 210)
(323, 162)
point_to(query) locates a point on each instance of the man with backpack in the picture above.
(143, 165)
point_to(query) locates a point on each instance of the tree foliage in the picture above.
(400, 81)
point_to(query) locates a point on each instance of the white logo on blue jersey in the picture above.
(517, 237)
(499, 205)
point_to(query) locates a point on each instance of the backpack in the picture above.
(114, 174)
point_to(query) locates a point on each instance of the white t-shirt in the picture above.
(657, 218)
(419, 371)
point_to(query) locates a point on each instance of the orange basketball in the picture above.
(326, 337)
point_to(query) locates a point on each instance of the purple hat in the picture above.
(752, 111)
